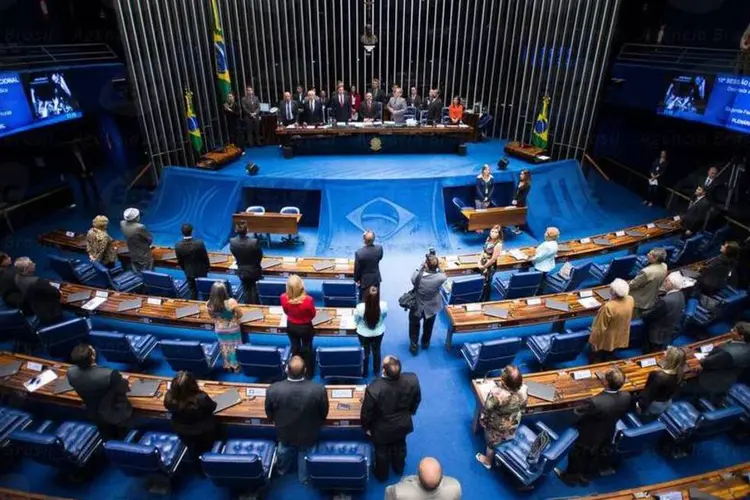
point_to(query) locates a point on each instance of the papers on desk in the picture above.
(289, 260)
(342, 393)
(707, 348)
(282, 321)
(70, 234)
(585, 293)
(565, 270)
(645, 363)
(700, 356)
(473, 307)
(517, 254)
(462, 125)
(581, 374)
(153, 301)
(342, 261)
(650, 225)
(589, 303)
(94, 303)
(44, 378)
(533, 302)
(670, 495)
(346, 322)
(585, 240)
(485, 388)
(677, 218)
(620, 234)
(275, 310)
(233, 266)
(687, 283)
(389, 123)
(102, 293)
(481, 210)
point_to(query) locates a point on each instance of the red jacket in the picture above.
(299, 314)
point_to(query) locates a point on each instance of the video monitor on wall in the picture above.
(686, 96)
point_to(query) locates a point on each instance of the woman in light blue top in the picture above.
(369, 317)
(544, 255)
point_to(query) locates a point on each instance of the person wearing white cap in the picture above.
(139, 240)
(664, 319)
(611, 328)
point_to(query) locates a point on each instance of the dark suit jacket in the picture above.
(282, 112)
(298, 409)
(311, 117)
(40, 298)
(373, 112)
(195, 419)
(695, 215)
(435, 111)
(139, 241)
(598, 416)
(415, 101)
(367, 265)
(665, 317)
(338, 112)
(103, 391)
(522, 192)
(715, 275)
(9, 291)
(248, 254)
(723, 366)
(192, 257)
(712, 189)
(379, 96)
(388, 408)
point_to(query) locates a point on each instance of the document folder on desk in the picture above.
(77, 297)
(541, 391)
(602, 242)
(184, 312)
(468, 259)
(634, 234)
(226, 399)
(563, 248)
(321, 266)
(62, 386)
(143, 388)
(557, 305)
(250, 316)
(169, 256)
(217, 259)
(665, 225)
(267, 264)
(604, 293)
(321, 317)
(9, 369)
(497, 312)
(129, 305)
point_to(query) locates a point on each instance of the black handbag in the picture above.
(409, 299)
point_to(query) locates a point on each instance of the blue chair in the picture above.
(463, 224)
(685, 423)
(70, 445)
(633, 437)
(445, 116)
(164, 285)
(620, 267)
(74, 271)
(520, 285)
(688, 251)
(339, 465)
(123, 348)
(12, 420)
(339, 294)
(118, 279)
(557, 347)
(555, 283)
(291, 239)
(58, 340)
(486, 357)
(155, 454)
(240, 464)
(730, 302)
(410, 113)
(714, 240)
(340, 362)
(637, 333)
(16, 327)
(463, 289)
(514, 454)
(203, 286)
(191, 355)
(739, 395)
(263, 362)
(258, 209)
(269, 292)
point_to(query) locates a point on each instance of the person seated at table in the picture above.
(312, 111)
(288, 110)
(99, 243)
(543, 259)
(611, 328)
(522, 192)
(662, 385)
(456, 111)
(341, 105)
(38, 296)
(9, 292)
(485, 188)
(502, 412)
(397, 106)
(663, 320)
(716, 275)
(191, 412)
(369, 110)
(493, 247)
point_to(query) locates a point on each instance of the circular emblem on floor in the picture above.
(376, 144)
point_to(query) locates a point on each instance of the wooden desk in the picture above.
(165, 313)
(574, 249)
(526, 152)
(251, 412)
(572, 393)
(369, 128)
(725, 483)
(6, 494)
(269, 222)
(302, 266)
(471, 317)
(488, 217)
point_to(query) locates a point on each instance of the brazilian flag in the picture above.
(194, 130)
(539, 135)
(222, 71)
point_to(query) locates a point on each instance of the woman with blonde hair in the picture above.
(99, 243)
(226, 316)
(300, 311)
(662, 384)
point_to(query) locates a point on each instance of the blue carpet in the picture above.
(443, 421)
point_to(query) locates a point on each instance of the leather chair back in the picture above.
(339, 294)
(269, 292)
(64, 268)
(524, 284)
(185, 355)
(133, 458)
(203, 285)
(566, 346)
(620, 267)
(634, 440)
(15, 326)
(637, 333)
(159, 284)
(113, 346)
(264, 362)
(340, 362)
(466, 289)
(59, 339)
(339, 465)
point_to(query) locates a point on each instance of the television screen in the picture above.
(685, 95)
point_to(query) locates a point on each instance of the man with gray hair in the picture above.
(428, 483)
(663, 320)
(611, 328)
(139, 240)
(38, 296)
(644, 288)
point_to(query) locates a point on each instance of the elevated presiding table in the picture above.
(306, 267)
(345, 400)
(485, 218)
(269, 222)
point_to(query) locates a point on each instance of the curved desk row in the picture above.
(626, 239)
(6, 494)
(306, 267)
(499, 314)
(159, 310)
(575, 385)
(728, 483)
(345, 400)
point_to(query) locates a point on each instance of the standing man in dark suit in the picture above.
(367, 263)
(192, 257)
(287, 110)
(298, 409)
(139, 240)
(9, 292)
(413, 98)
(369, 110)
(299, 95)
(248, 256)
(695, 215)
(103, 391)
(38, 296)
(665, 317)
(341, 105)
(251, 112)
(434, 107)
(378, 95)
(390, 401)
(312, 111)
(710, 183)
(596, 426)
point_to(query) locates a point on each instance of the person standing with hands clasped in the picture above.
(657, 170)
(300, 311)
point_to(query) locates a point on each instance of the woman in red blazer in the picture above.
(300, 311)
(356, 101)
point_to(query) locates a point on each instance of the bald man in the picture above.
(429, 483)
(367, 263)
